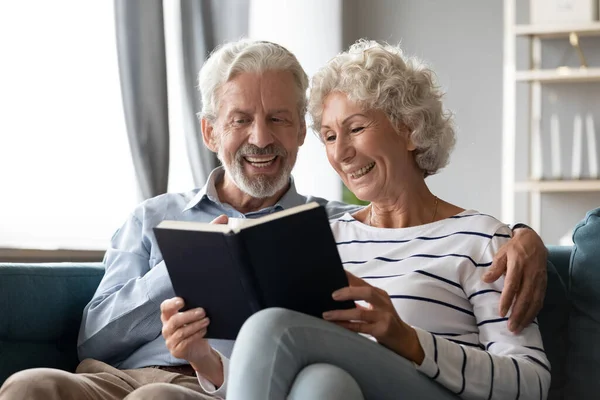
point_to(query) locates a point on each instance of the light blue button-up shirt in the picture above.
(121, 325)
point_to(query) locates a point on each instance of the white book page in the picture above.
(234, 224)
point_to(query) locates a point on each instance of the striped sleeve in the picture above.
(508, 366)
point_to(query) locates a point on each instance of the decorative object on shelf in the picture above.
(555, 147)
(576, 159)
(592, 149)
(563, 11)
(574, 41)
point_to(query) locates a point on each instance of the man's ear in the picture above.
(302, 133)
(208, 135)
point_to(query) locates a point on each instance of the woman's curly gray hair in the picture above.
(378, 76)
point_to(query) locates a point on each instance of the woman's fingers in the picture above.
(353, 280)
(372, 295)
(354, 314)
(358, 327)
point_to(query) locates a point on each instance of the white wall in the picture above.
(312, 30)
(463, 42)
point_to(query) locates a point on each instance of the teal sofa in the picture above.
(41, 306)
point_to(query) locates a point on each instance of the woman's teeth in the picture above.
(260, 162)
(363, 171)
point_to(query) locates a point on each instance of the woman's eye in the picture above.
(357, 129)
(329, 138)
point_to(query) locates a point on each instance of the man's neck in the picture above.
(229, 193)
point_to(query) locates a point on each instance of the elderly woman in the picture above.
(415, 262)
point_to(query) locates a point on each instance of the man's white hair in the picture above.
(245, 55)
(378, 76)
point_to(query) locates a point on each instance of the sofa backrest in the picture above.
(554, 317)
(41, 307)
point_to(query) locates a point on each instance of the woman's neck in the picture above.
(410, 206)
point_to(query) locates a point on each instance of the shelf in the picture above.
(558, 30)
(589, 185)
(559, 75)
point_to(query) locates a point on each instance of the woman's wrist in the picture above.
(417, 354)
(409, 346)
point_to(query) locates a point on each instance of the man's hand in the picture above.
(523, 259)
(220, 220)
(184, 336)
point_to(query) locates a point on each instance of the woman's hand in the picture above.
(184, 336)
(379, 319)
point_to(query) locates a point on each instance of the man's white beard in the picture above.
(259, 186)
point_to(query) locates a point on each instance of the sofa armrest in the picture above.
(44, 302)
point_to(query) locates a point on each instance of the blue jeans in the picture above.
(283, 354)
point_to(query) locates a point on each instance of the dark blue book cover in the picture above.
(288, 259)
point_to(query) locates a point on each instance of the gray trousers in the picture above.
(283, 354)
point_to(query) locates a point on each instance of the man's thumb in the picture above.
(221, 219)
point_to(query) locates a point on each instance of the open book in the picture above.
(287, 259)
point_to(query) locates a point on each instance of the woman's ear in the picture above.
(208, 135)
(408, 136)
(410, 145)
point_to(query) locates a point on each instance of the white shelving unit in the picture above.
(535, 77)
(568, 75)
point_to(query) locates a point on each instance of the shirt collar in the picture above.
(291, 198)
(209, 190)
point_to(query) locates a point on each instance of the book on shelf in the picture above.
(287, 259)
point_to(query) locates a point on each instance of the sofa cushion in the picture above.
(41, 307)
(583, 361)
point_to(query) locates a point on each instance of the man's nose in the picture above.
(261, 134)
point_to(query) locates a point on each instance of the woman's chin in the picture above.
(362, 195)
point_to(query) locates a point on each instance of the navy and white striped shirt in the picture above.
(432, 273)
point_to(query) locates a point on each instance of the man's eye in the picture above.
(277, 120)
(357, 129)
(240, 121)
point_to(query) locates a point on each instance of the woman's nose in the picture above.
(344, 151)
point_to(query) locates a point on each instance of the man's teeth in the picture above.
(363, 171)
(260, 162)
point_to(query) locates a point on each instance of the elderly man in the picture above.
(253, 96)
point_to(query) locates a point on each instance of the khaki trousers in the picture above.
(95, 380)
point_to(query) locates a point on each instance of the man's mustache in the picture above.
(252, 150)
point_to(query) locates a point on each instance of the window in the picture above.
(66, 176)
